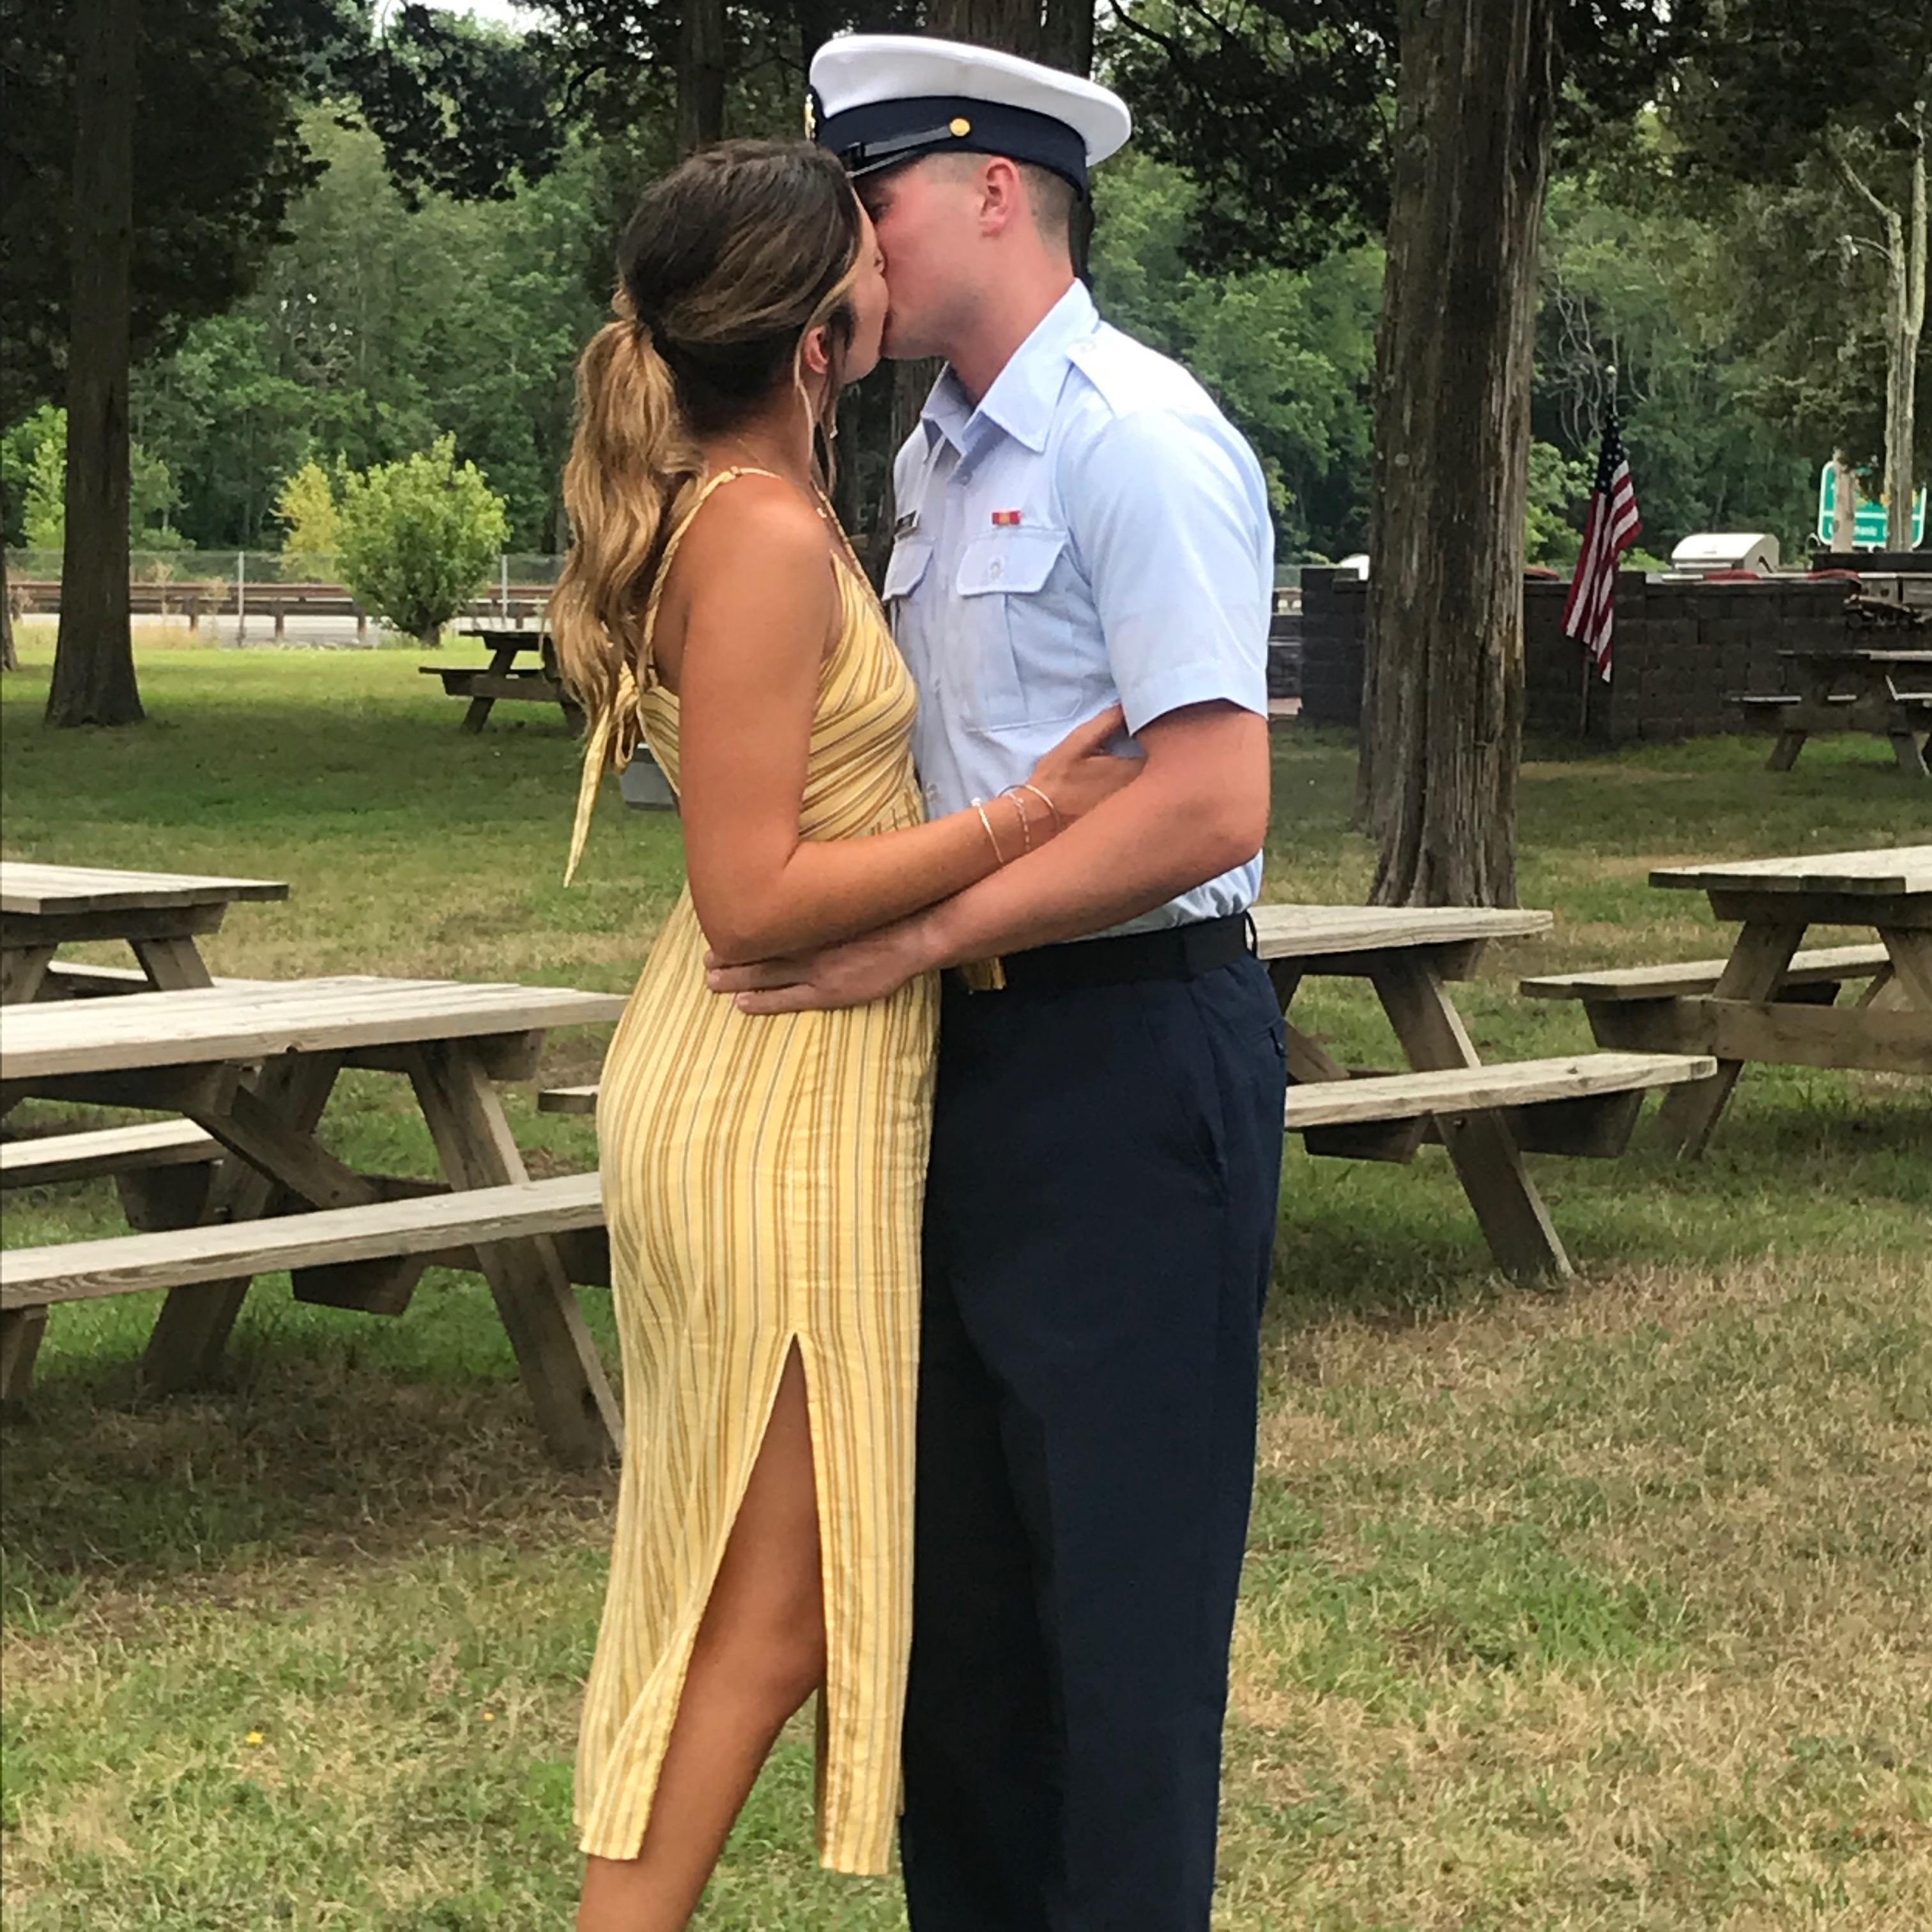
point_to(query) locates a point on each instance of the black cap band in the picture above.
(885, 133)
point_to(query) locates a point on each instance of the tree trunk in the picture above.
(1443, 696)
(1844, 539)
(701, 67)
(94, 658)
(1067, 39)
(1906, 318)
(9, 659)
(1013, 26)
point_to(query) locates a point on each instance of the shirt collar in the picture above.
(1021, 400)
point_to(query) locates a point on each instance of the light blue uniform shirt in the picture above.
(1140, 570)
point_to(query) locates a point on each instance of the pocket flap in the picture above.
(910, 557)
(1018, 562)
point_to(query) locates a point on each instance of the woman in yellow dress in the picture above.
(762, 1177)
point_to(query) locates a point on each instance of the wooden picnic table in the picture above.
(1852, 688)
(160, 915)
(1741, 1019)
(502, 677)
(252, 1065)
(1408, 954)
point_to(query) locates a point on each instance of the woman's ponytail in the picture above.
(631, 462)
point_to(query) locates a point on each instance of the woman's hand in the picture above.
(1080, 773)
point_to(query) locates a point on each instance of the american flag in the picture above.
(1614, 525)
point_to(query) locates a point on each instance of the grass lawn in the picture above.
(1609, 1608)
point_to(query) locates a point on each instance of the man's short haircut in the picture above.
(1052, 198)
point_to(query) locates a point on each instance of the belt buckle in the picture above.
(983, 976)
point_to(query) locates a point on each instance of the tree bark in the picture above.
(1908, 328)
(1443, 696)
(1066, 38)
(1013, 26)
(1843, 538)
(701, 70)
(10, 658)
(1905, 244)
(94, 657)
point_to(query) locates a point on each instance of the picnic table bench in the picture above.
(251, 1067)
(1486, 1116)
(503, 677)
(1889, 694)
(1771, 1000)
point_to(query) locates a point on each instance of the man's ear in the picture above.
(1002, 195)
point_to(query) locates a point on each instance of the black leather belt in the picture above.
(1173, 953)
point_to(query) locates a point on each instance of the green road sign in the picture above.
(1868, 520)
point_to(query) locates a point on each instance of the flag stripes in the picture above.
(1613, 525)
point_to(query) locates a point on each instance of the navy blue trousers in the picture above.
(1106, 1165)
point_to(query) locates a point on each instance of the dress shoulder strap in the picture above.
(617, 726)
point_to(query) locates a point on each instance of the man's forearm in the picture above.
(1151, 843)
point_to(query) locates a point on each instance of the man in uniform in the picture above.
(1077, 525)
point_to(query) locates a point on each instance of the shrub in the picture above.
(417, 537)
(307, 505)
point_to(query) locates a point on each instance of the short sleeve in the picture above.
(1168, 514)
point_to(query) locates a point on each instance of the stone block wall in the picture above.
(1680, 649)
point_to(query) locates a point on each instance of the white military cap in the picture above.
(880, 99)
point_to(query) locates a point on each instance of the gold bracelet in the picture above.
(1059, 824)
(1026, 823)
(999, 857)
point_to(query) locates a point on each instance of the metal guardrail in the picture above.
(512, 603)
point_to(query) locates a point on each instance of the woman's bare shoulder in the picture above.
(756, 522)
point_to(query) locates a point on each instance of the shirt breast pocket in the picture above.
(1015, 591)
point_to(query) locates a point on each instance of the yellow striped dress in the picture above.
(763, 1184)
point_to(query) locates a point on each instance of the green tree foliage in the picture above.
(307, 506)
(1636, 284)
(1283, 110)
(1821, 118)
(418, 538)
(1289, 355)
(216, 161)
(1557, 484)
(36, 452)
(377, 327)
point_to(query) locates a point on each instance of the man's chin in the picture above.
(897, 346)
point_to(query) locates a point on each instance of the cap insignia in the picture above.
(810, 117)
(960, 127)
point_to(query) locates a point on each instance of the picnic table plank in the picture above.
(1311, 932)
(1893, 871)
(28, 888)
(1823, 965)
(1453, 1089)
(258, 1019)
(122, 1264)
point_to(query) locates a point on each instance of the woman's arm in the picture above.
(759, 602)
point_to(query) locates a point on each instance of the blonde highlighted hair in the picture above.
(730, 261)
